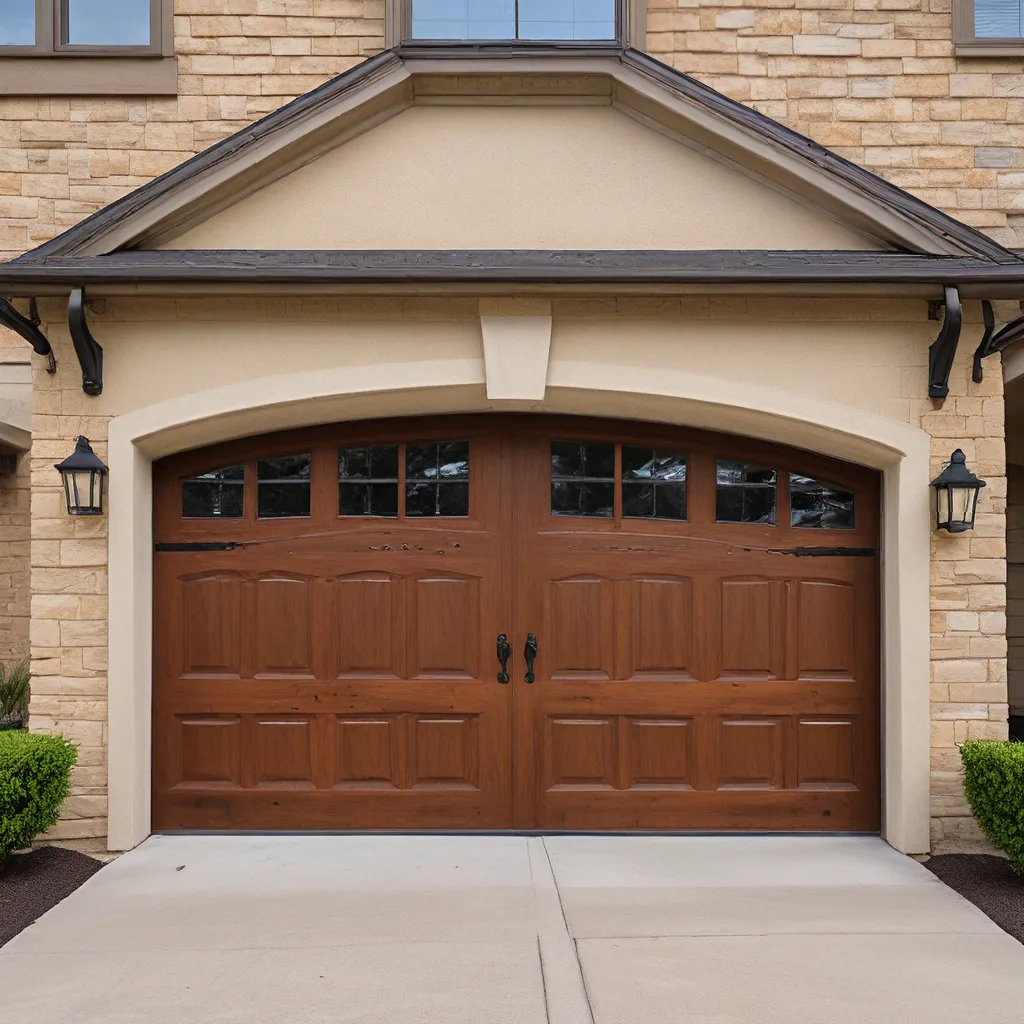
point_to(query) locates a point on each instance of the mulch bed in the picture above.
(989, 883)
(34, 882)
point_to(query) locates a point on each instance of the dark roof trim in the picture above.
(867, 184)
(220, 266)
(865, 181)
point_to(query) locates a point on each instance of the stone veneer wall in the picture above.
(874, 80)
(69, 556)
(14, 536)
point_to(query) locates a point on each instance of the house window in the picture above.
(517, 20)
(53, 28)
(988, 27)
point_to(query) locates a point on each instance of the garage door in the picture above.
(691, 624)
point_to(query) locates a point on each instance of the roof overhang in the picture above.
(157, 271)
(635, 84)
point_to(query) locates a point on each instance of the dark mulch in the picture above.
(34, 882)
(989, 883)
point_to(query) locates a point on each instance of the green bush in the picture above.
(995, 790)
(14, 693)
(35, 775)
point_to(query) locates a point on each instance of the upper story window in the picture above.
(82, 27)
(988, 27)
(514, 19)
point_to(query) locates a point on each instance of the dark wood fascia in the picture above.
(396, 267)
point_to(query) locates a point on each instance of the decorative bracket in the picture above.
(943, 349)
(28, 328)
(88, 350)
(993, 341)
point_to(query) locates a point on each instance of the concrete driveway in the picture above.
(511, 930)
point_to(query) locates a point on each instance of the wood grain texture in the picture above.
(340, 673)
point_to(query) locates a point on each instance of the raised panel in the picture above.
(662, 628)
(750, 752)
(578, 625)
(581, 753)
(212, 625)
(826, 624)
(447, 624)
(284, 626)
(367, 753)
(660, 755)
(826, 753)
(210, 751)
(747, 625)
(367, 616)
(445, 752)
(283, 752)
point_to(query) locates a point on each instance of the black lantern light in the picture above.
(956, 495)
(83, 473)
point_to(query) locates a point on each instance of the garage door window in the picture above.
(583, 479)
(215, 494)
(437, 479)
(368, 481)
(653, 484)
(283, 487)
(745, 493)
(814, 503)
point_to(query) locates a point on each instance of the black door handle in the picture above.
(504, 653)
(529, 653)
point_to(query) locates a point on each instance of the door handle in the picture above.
(504, 653)
(529, 653)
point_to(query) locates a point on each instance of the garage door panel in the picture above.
(827, 752)
(284, 625)
(659, 753)
(368, 618)
(581, 752)
(578, 627)
(445, 632)
(209, 751)
(368, 752)
(662, 628)
(211, 624)
(751, 626)
(826, 622)
(751, 753)
(444, 752)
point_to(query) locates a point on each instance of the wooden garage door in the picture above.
(704, 612)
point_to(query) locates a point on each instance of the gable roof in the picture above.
(633, 82)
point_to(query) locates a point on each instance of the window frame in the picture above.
(967, 44)
(51, 17)
(630, 18)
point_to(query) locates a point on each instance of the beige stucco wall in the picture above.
(459, 177)
(846, 376)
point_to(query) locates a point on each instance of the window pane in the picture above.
(108, 22)
(814, 503)
(17, 22)
(437, 479)
(567, 19)
(998, 19)
(464, 19)
(368, 481)
(216, 494)
(283, 489)
(582, 479)
(659, 490)
(745, 493)
(368, 500)
(575, 498)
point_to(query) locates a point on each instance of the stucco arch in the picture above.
(897, 449)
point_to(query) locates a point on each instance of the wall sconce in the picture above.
(83, 473)
(956, 495)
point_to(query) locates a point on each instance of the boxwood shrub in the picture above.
(35, 775)
(994, 787)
